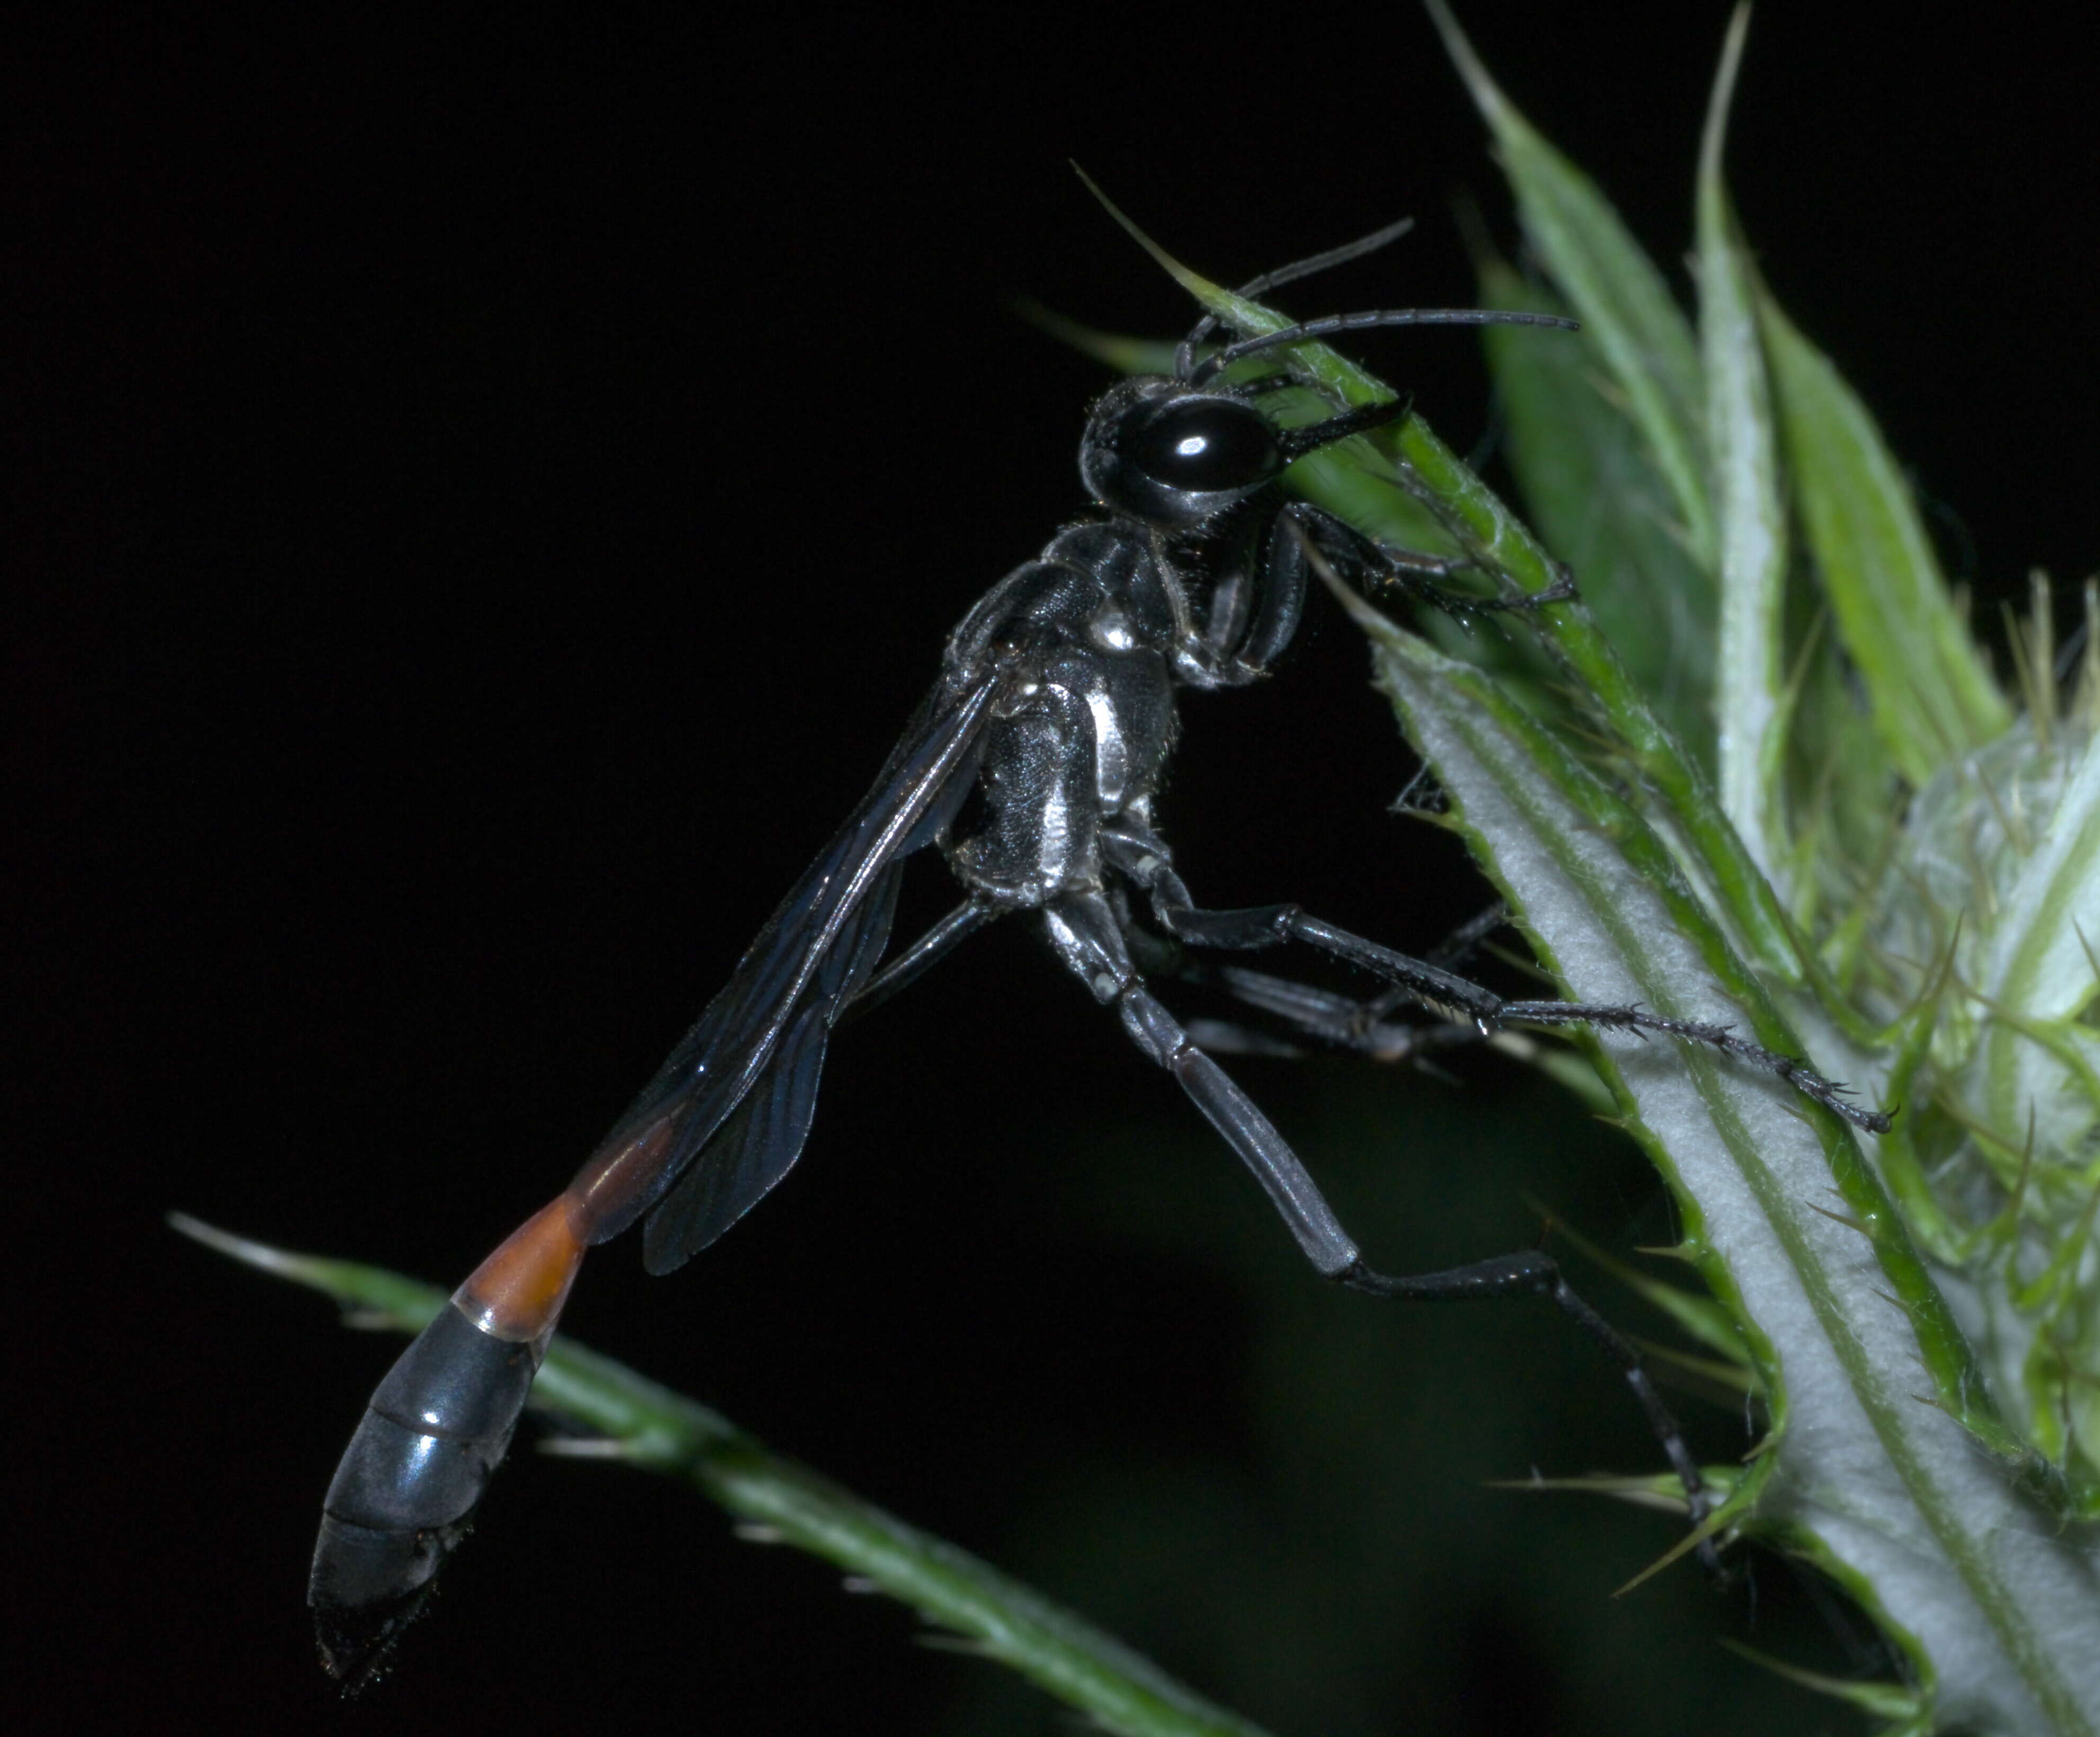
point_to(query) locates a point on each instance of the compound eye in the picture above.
(1205, 445)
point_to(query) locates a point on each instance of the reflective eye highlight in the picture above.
(1206, 446)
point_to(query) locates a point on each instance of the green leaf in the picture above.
(1115, 349)
(1794, 1231)
(1881, 1700)
(1931, 691)
(1602, 507)
(1697, 1315)
(1617, 294)
(2040, 963)
(1750, 697)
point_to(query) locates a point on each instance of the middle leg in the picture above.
(1084, 930)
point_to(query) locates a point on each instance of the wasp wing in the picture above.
(814, 950)
(763, 1136)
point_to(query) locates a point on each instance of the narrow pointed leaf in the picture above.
(1932, 693)
(1600, 505)
(1749, 707)
(1881, 1700)
(2039, 961)
(1697, 1315)
(1614, 289)
(1116, 350)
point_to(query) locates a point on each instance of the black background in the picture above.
(480, 500)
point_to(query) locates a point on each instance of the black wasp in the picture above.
(1031, 766)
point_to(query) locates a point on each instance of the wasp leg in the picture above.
(1451, 997)
(1338, 1021)
(1362, 1024)
(925, 953)
(1370, 562)
(1084, 930)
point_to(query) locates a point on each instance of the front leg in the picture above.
(1370, 562)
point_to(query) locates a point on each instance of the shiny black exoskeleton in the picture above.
(1032, 766)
